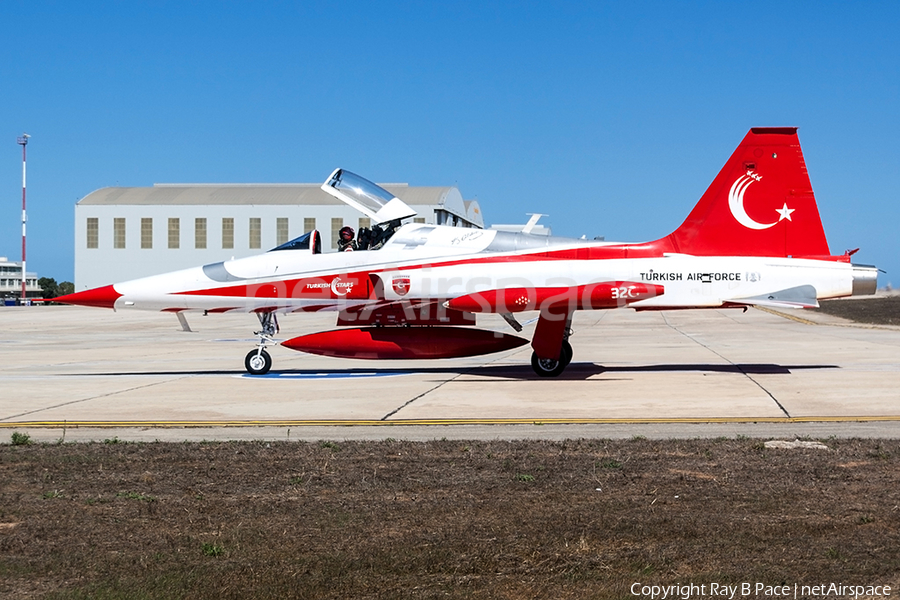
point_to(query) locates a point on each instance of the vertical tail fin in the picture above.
(760, 204)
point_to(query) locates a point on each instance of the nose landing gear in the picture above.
(258, 362)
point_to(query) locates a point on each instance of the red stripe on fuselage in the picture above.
(321, 287)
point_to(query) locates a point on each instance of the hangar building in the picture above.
(123, 233)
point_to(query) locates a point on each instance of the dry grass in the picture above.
(581, 519)
(877, 311)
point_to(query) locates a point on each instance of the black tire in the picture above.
(258, 362)
(547, 367)
(565, 355)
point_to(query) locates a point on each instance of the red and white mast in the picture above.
(23, 141)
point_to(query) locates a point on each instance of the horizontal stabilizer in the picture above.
(803, 296)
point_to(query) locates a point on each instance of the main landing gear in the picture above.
(552, 367)
(548, 367)
(258, 362)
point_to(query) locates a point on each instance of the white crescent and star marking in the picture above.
(340, 288)
(736, 203)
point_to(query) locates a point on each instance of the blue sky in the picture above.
(613, 117)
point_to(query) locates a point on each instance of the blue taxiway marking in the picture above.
(326, 375)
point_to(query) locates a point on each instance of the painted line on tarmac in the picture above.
(368, 423)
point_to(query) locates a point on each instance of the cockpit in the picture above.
(309, 240)
(384, 209)
(367, 238)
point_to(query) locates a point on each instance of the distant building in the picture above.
(123, 233)
(11, 281)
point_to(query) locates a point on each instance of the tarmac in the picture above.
(77, 374)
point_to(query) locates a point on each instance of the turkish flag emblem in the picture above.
(400, 283)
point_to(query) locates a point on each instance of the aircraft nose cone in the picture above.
(102, 297)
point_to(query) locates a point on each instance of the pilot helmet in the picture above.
(346, 234)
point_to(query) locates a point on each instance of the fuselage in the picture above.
(427, 263)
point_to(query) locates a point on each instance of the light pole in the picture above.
(22, 140)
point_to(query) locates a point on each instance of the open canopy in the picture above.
(370, 199)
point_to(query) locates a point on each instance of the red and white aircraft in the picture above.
(754, 239)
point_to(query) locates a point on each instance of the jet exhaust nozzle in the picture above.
(865, 280)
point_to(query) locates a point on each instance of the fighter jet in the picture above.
(413, 291)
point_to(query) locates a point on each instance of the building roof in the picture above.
(298, 194)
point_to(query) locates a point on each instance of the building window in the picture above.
(118, 232)
(336, 225)
(174, 232)
(255, 232)
(309, 224)
(281, 231)
(365, 222)
(419, 220)
(200, 233)
(146, 233)
(93, 232)
(227, 233)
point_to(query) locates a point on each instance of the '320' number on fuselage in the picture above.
(623, 292)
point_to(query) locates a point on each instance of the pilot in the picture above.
(380, 235)
(363, 238)
(376, 237)
(346, 239)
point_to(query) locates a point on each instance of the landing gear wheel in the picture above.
(258, 362)
(565, 354)
(547, 367)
